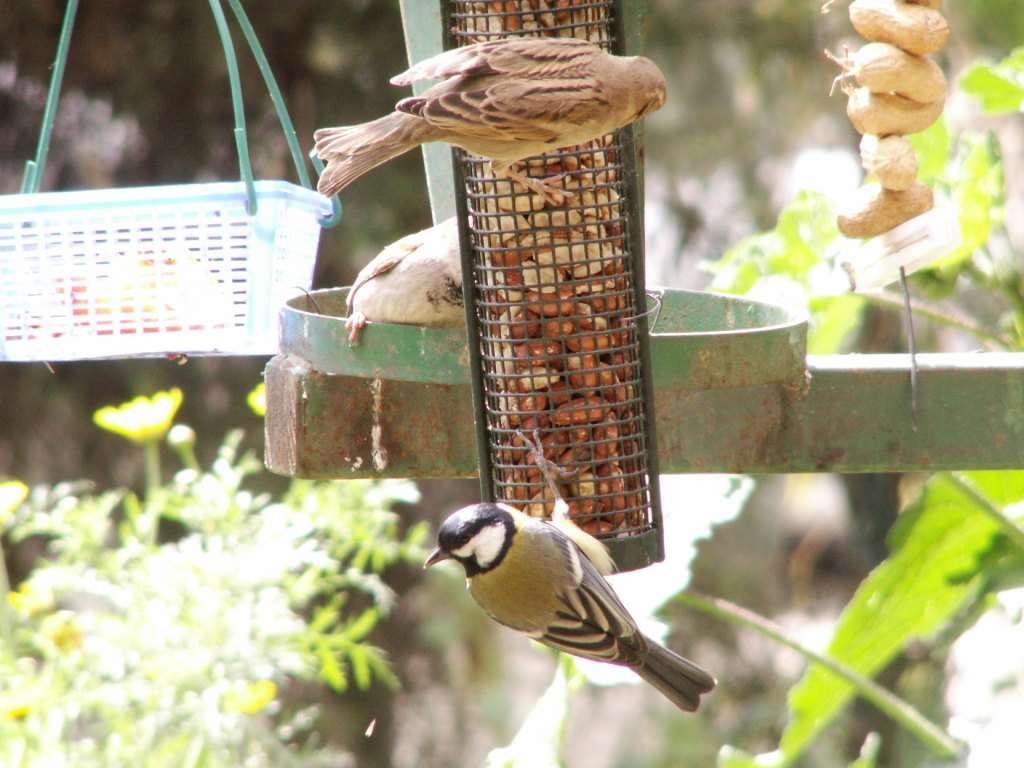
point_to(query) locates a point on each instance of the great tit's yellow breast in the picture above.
(521, 591)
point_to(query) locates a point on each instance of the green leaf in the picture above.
(358, 629)
(1000, 87)
(978, 193)
(1002, 487)
(12, 494)
(539, 739)
(911, 594)
(869, 752)
(325, 617)
(802, 234)
(731, 757)
(357, 657)
(331, 671)
(932, 146)
(379, 667)
(833, 318)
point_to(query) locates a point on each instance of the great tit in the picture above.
(545, 579)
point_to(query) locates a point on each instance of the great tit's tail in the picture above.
(680, 680)
(350, 151)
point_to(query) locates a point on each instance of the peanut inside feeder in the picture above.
(559, 308)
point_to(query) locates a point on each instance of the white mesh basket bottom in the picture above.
(152, 271)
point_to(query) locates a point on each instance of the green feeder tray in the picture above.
(403, 406)
(698, 341)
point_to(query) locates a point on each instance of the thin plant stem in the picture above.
(1013, 531)
(152, 453)
(6, 610)
(892, 705)
(936, 314)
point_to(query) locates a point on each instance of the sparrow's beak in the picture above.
(436, 557)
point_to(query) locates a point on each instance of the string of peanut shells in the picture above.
(893, 89)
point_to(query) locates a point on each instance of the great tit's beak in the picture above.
(436, 557)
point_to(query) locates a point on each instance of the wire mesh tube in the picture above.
(558, 307)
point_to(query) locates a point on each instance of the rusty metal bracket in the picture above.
(733, 393)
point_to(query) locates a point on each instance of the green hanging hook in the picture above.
(34, 168)
(241, 138)
(335, 216)
(282, 111)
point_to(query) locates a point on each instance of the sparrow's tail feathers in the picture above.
(351, 151)
(678, 679)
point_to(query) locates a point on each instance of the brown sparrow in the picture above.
(505, 100)
(416, 280)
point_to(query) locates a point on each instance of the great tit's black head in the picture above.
(478, 536)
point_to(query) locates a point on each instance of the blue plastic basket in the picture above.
(153, 270)
(198, 269)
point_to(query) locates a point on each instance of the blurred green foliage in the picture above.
(798, 260)
(960, 539)
(937, 564)
(1000, 87)
(167, 631)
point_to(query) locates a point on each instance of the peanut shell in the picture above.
(873, 210)
(891, 160)
(916, 29)
(883, 114)
(884, 68)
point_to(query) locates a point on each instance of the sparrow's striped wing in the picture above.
(524, 56)
(383, 263)
(592, 622)
(518, 109)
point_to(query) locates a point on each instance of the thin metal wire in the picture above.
(556, 307)
(912, 342)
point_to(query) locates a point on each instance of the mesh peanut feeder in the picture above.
(557, 310)
(196, 268)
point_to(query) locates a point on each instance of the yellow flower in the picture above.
(12, 493)
(251, 698)
(22, 695)
(143, 419)
(257, 399)
(14, 708)
(29, 600)
(62, 630)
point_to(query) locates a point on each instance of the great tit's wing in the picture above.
(592, 622)
(595, 551)
(524, 57)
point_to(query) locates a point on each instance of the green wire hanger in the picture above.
(34, 168)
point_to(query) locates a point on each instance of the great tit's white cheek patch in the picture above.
(485, 546)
